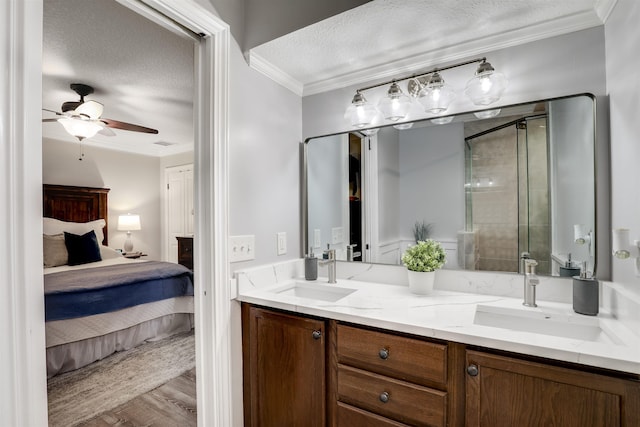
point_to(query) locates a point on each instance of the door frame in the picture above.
(23, 398)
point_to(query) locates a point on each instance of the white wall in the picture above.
(623, 88)
(264, 162)
(432, 180)
(132, 178)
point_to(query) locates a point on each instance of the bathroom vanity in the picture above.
(363, 353)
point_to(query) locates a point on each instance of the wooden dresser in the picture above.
(185, 251)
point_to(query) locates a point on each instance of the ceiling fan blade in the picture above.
(91, 109)
(49, 120)
(127, 126)
(107, 132)
(57, 113)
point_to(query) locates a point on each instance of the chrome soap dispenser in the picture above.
(586, 293)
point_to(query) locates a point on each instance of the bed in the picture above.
(98, 302)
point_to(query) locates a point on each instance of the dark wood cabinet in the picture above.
(301, 371)
(505, 391)
(185, 251)
(284, 369)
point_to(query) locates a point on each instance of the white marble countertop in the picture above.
(551, 330)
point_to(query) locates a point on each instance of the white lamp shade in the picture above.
(128, 222)
(80, 128)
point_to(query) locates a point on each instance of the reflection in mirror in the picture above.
(489, 186)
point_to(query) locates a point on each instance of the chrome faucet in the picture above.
(351, 254)
(330, 262)
(530, 282)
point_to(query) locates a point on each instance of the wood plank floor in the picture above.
(172, 404)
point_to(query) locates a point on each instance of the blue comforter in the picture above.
(78, 293)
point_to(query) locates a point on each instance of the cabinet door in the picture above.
(503, 391)
(284, 369)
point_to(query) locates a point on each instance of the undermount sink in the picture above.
(314, 291)
(546, 323)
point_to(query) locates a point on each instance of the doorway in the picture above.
(24, 312)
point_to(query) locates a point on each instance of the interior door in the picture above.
(178, 207)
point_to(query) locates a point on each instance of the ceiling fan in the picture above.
(82, 119)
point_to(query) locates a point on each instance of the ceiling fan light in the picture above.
(360, 113)
(90, 109)
(79, 128)
(436, 96)
(396, 105)
(487, 86)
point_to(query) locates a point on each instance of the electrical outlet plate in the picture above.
(242, 248)
(281, 239)
(336, 235)
(317, 238)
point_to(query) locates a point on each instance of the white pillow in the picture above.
(52, 226)
(107, 253)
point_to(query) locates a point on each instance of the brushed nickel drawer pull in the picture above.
(384, 354)
(384, 397)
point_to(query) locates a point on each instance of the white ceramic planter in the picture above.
(421, 282)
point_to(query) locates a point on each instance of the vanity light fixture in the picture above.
(436, 95)
(430, 90)
(396, 105)
(487, 114)
(442, 120)
(403, 126)
(487, 86)
(622, 248)
(360, 112)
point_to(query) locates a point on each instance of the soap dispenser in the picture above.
(586, 293)
(310, 266)
(569, 270)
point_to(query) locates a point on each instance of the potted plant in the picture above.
(422, 260)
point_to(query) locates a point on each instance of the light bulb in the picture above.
(396, 105)
(360, 113)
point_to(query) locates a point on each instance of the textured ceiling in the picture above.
(141, 72)
(393, 34)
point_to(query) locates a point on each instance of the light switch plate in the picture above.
(282, 243)
(242, 248)
(336, 235)
(317, 238)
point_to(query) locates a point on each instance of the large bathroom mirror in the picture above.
(489, 186)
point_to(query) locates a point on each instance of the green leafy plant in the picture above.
(421, 231)
(425, 256)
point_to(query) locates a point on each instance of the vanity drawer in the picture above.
(405, 402)
(399, 357)
(350, 416)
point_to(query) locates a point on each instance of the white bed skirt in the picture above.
(74, 355)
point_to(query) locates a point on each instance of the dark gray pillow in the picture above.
(82, 249)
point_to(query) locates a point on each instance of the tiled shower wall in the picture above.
(494, 193)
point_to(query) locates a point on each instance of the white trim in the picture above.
(23, 387)
(604, 8)
(456, 52)
(276, 74)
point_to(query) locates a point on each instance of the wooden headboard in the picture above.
(76, 204)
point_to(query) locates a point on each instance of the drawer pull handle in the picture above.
(472, 370)
(316, 335)
(384, 397)
(384, 354)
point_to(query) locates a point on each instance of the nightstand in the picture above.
(133, 255)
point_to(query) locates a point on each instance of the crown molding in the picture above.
(276, 74)
(458, 51)
(604, 8)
